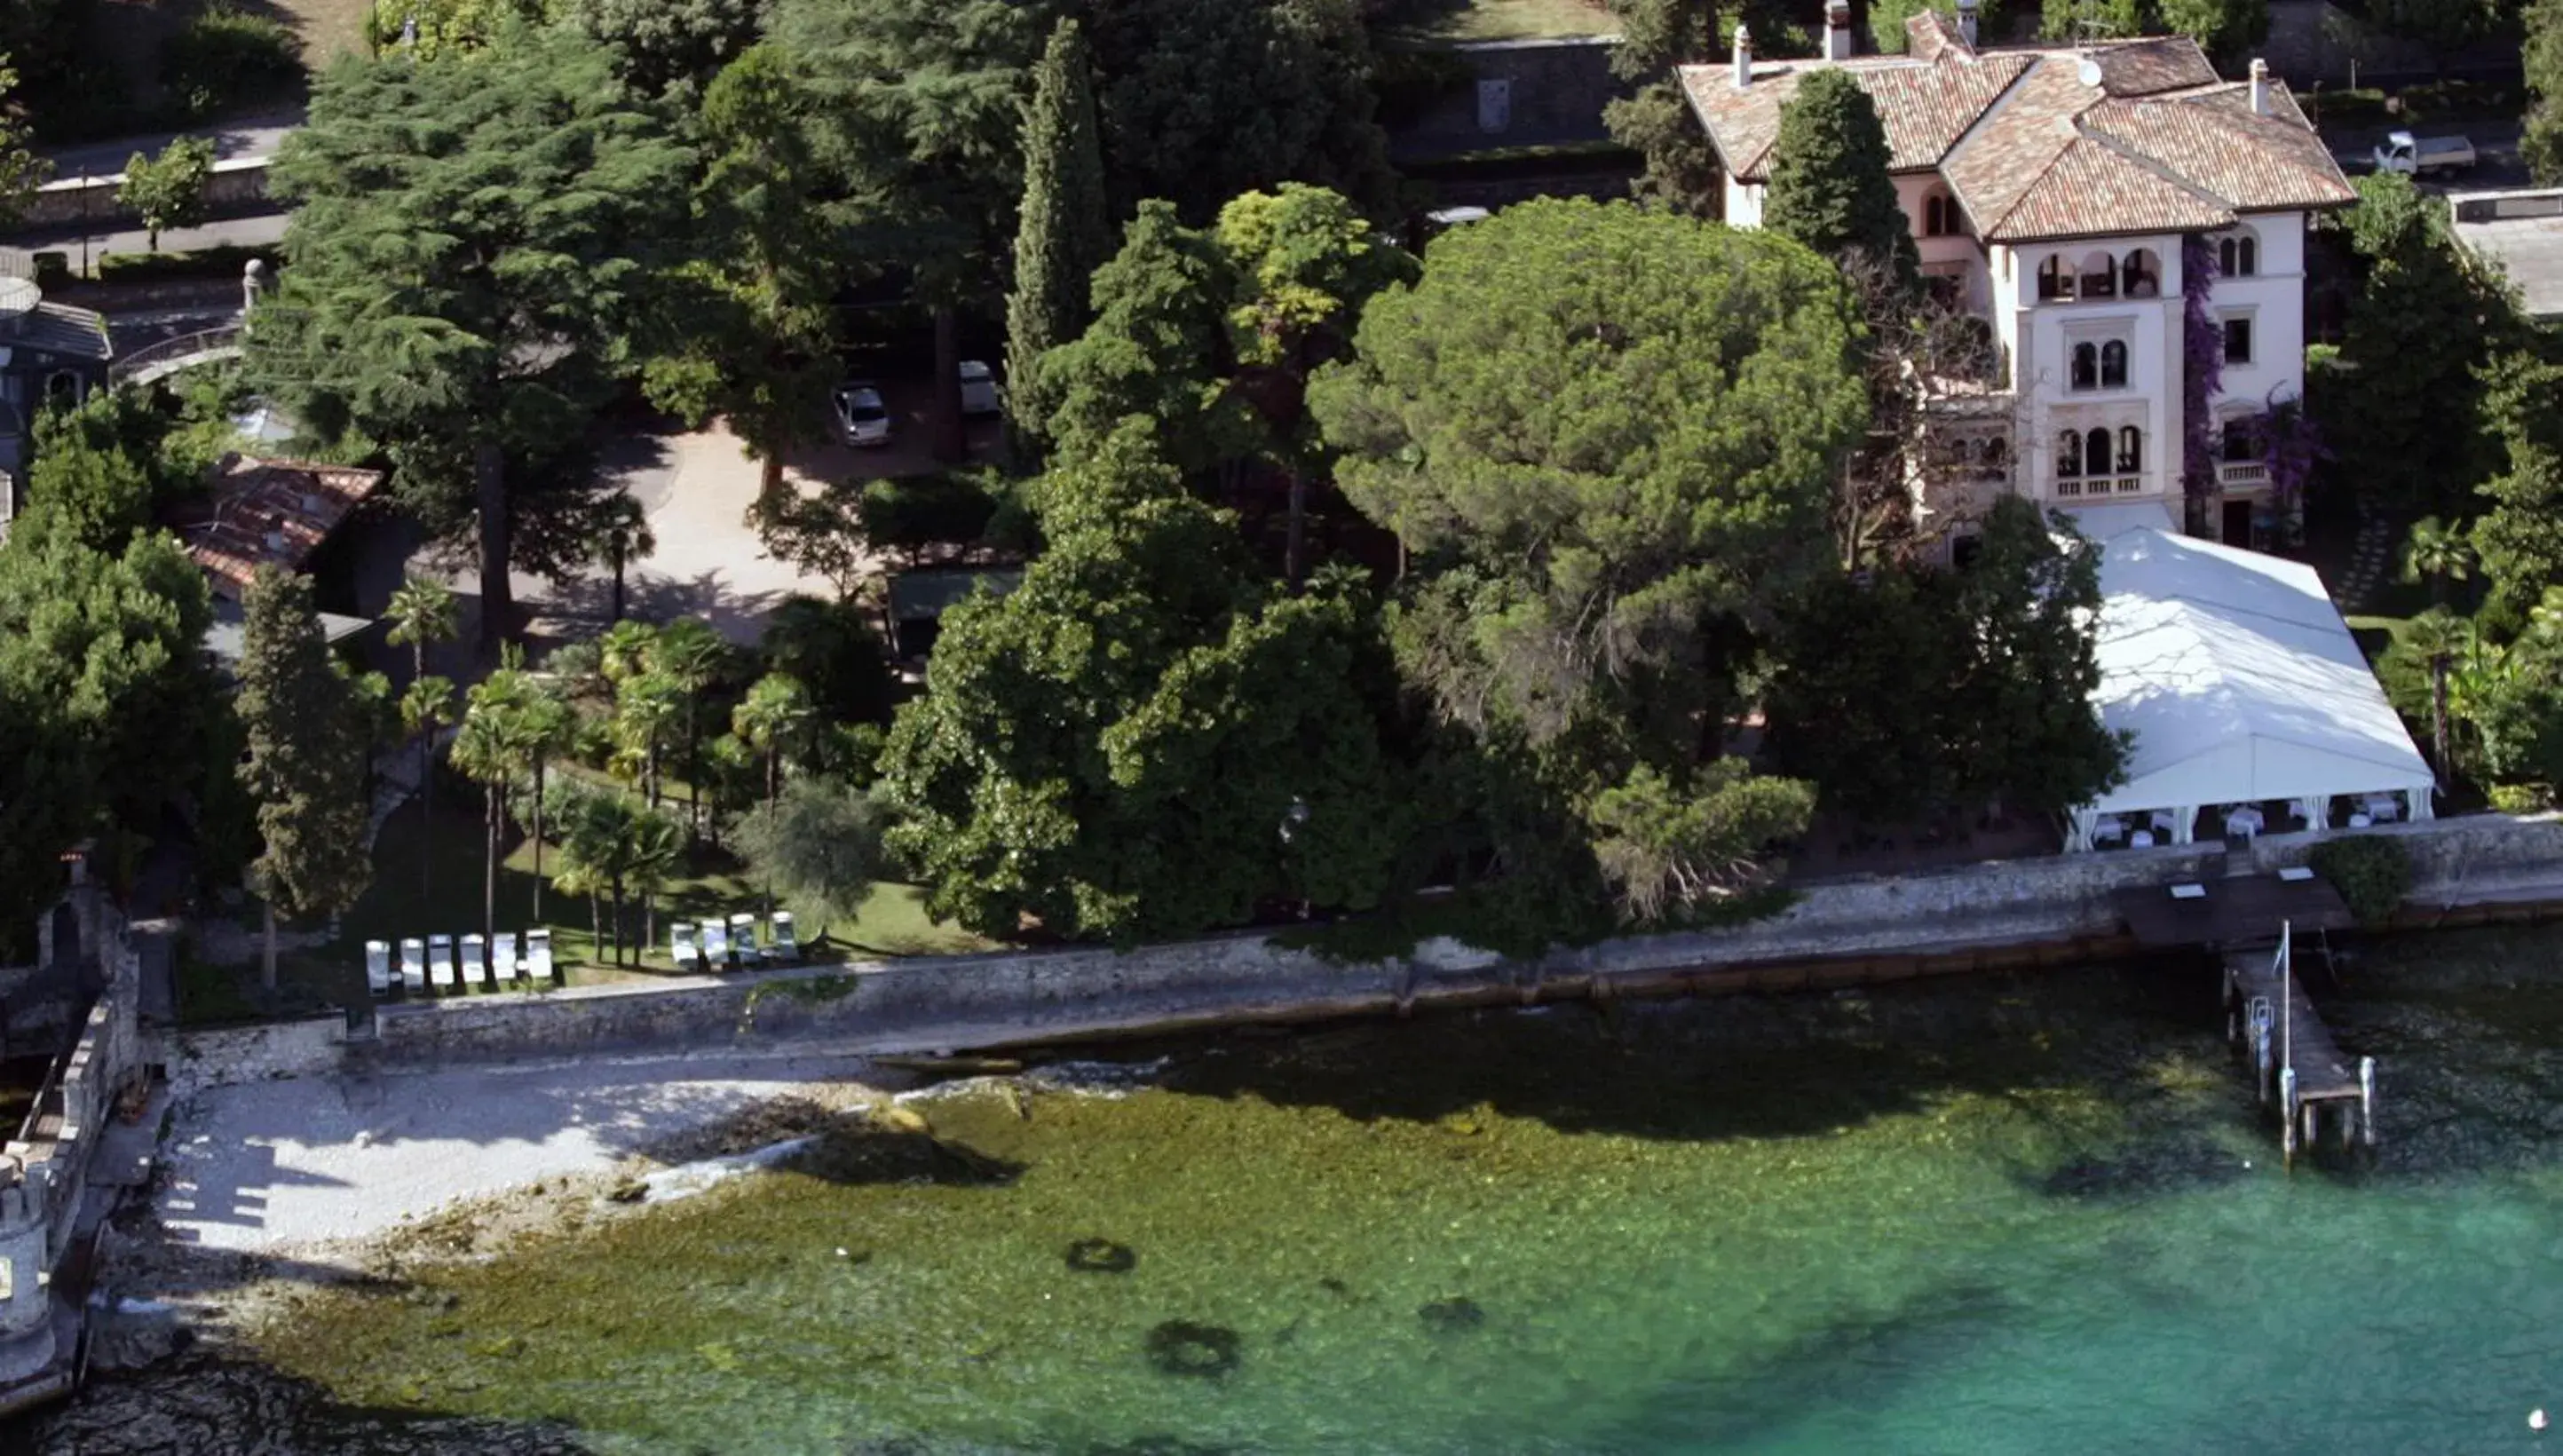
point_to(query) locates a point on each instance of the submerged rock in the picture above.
(1452, 1315)
(1183, 1347)
(1101, 1256)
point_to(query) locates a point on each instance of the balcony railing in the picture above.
(2243, 472)
(2086, 487)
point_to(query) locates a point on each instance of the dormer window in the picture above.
(1940, 216)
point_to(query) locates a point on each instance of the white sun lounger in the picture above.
(716, 945)
(780, 946)
(538, 956)
(742, 933)
(414, 965)
(681, 944)
(378, 966)
(503, 957)
(440, 962)
(476, 961)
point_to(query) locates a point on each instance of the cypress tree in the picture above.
(305, 768)
(1061, 237)
(1829, 185)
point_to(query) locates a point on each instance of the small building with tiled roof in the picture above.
(259, 512)
(2051, 190)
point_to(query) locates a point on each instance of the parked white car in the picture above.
(2418, 156)
(862, 419)
(979, 394)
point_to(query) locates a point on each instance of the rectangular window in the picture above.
(2238, 340)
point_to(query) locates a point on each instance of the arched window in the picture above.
(1995, 455)
(2095, 452)
(2132, 450)
(1940, 217)
(62, 387)
(2113, 366)
(2068, 455)
(2100, 275)
(2239, 442)
(2086, 366)
(2238, 254)
(2140, 275)
(2054, 279)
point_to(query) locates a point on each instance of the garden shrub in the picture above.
(918, 514)
(224, 59)
(223, 259)
(2521, 798)
(2370, 871)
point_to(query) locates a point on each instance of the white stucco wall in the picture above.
(2043, 335)
(1743, 204)
(2275, 301)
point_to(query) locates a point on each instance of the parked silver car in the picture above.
(862, 418)
(979, 394)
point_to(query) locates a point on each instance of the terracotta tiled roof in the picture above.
(2159, 64)
(2123, 136)
(267, 510)
(2092, 179)
(1924, 105)
(2254, 163)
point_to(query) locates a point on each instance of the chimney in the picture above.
(1837, 30)
(1967, 23)
(1743, 57)
(2260, 87)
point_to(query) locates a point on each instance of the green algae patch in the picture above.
(1346, 1232)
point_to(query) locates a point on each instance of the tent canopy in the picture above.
(2240, 681)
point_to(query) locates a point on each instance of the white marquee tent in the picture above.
(2241, 684)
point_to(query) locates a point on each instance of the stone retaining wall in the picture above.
(238, 184)
(1957, 915)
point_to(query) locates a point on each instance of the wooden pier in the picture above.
(2293, 1057)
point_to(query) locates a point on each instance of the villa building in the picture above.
(2051, 192)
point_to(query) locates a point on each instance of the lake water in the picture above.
(2029, 1215)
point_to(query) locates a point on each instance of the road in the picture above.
(246, 136)
(2498, 162)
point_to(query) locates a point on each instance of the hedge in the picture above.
(223, 259)
(2370, 871)
(922, 511)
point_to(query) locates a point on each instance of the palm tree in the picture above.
(595, 832)
(690, 655)
(2440, 637)
(426, 707)
(623, 652)
(655, 846)
(575, 878)
(623, 538)
(643, 711)
(422, 611)
(771, 715)
(540, 728)
(484, 754)
(2437, 552)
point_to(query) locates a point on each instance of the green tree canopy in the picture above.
(475, 244)
(168, 192)
(1205, 99)
(2542, 56)
(305, 768)
(2520, 538)
(2406, 404)
(818, 845)
(657, 44)
(1158, 350)
(21, 171)
(1608, 437)
(1829, 187)
(105, 695)
(1117, 748)
(1062, 235)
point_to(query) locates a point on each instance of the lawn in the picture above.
(328, 28)
(894, 921)
(1509, 20)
